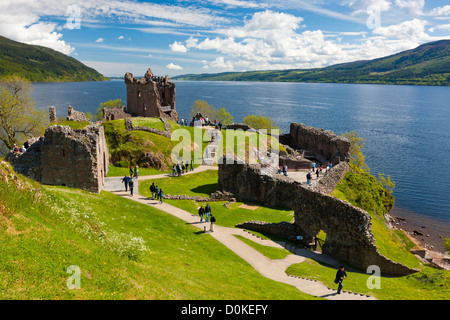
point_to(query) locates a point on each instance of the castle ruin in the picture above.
(151, 96)
(349, 237)
(66, 157)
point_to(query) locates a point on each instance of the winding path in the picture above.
(272, 269)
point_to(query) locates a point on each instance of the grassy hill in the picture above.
(428, 64)
(41, 64)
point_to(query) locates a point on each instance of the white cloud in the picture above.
(172, 66)
(411, 30)
(238, 3)
(120, 37)
(219, 65)
(178, 47)
(367, 5)
(440, 11)
(99, 40)
(414, 7)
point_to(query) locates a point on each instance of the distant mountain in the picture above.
(41, 64)
(428, 64)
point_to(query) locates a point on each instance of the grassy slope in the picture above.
(125, 250)
(126, 147)
(41, 64)
(428, 64)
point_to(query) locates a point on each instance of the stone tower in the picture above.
(151, 96)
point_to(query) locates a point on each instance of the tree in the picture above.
(224, 117)
(357, 158)
(110, 104)
(260, 122)
(201, 106)
(19, 119)
(207, 110)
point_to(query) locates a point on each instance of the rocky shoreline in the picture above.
(426, 232)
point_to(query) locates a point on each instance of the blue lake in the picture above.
(407, 128)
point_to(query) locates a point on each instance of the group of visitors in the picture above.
(183, 122)
(284, 169)
(209, 216)
(135, 172)
(156, 192)
(180, 168)
(25, 146)
(129, 183)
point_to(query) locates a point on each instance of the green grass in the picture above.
(127, 148)
(269, 252)
(430, 284)
(203, 184)
(154, 123)
(125, 250)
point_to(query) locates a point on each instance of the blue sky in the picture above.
(206, 36)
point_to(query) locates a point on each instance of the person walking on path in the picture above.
(131, 185)
(157, 192)
(213, 220)
(340, 276)
(153, 190)
(201, 211)
(131, 171)
(208, 212)
(136, 172)
(161, 195)
(308, 178)
(192, 165)
(126, 180)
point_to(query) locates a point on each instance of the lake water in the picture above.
(407, 128)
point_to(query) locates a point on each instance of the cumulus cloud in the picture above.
(178, 47)
(410, 30)
(173, 66)
(99, 40)
(414, 7)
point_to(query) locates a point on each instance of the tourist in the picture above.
(192, 165)
(208, 212)
(126, 180)
(182, 167)
(201, 211)
(213, 219)
(156, 192)
(285, 169)
(178, 169)
(314, 166)
(136, 171)
(308, 178)
(131, 185)
(153, 190)
(317, 174)
(340, 276)
(174, 170)
(321, 168)
(131, 171)
(161, 195)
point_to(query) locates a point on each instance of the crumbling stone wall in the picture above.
(74, 115)
(65, 157)
(75, 158)
(332, 147)
(151, 96)
(348, 228)
(115, 113)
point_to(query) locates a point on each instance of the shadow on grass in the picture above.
(205, 189)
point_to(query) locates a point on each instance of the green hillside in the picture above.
(428, 64)
(41, 64)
